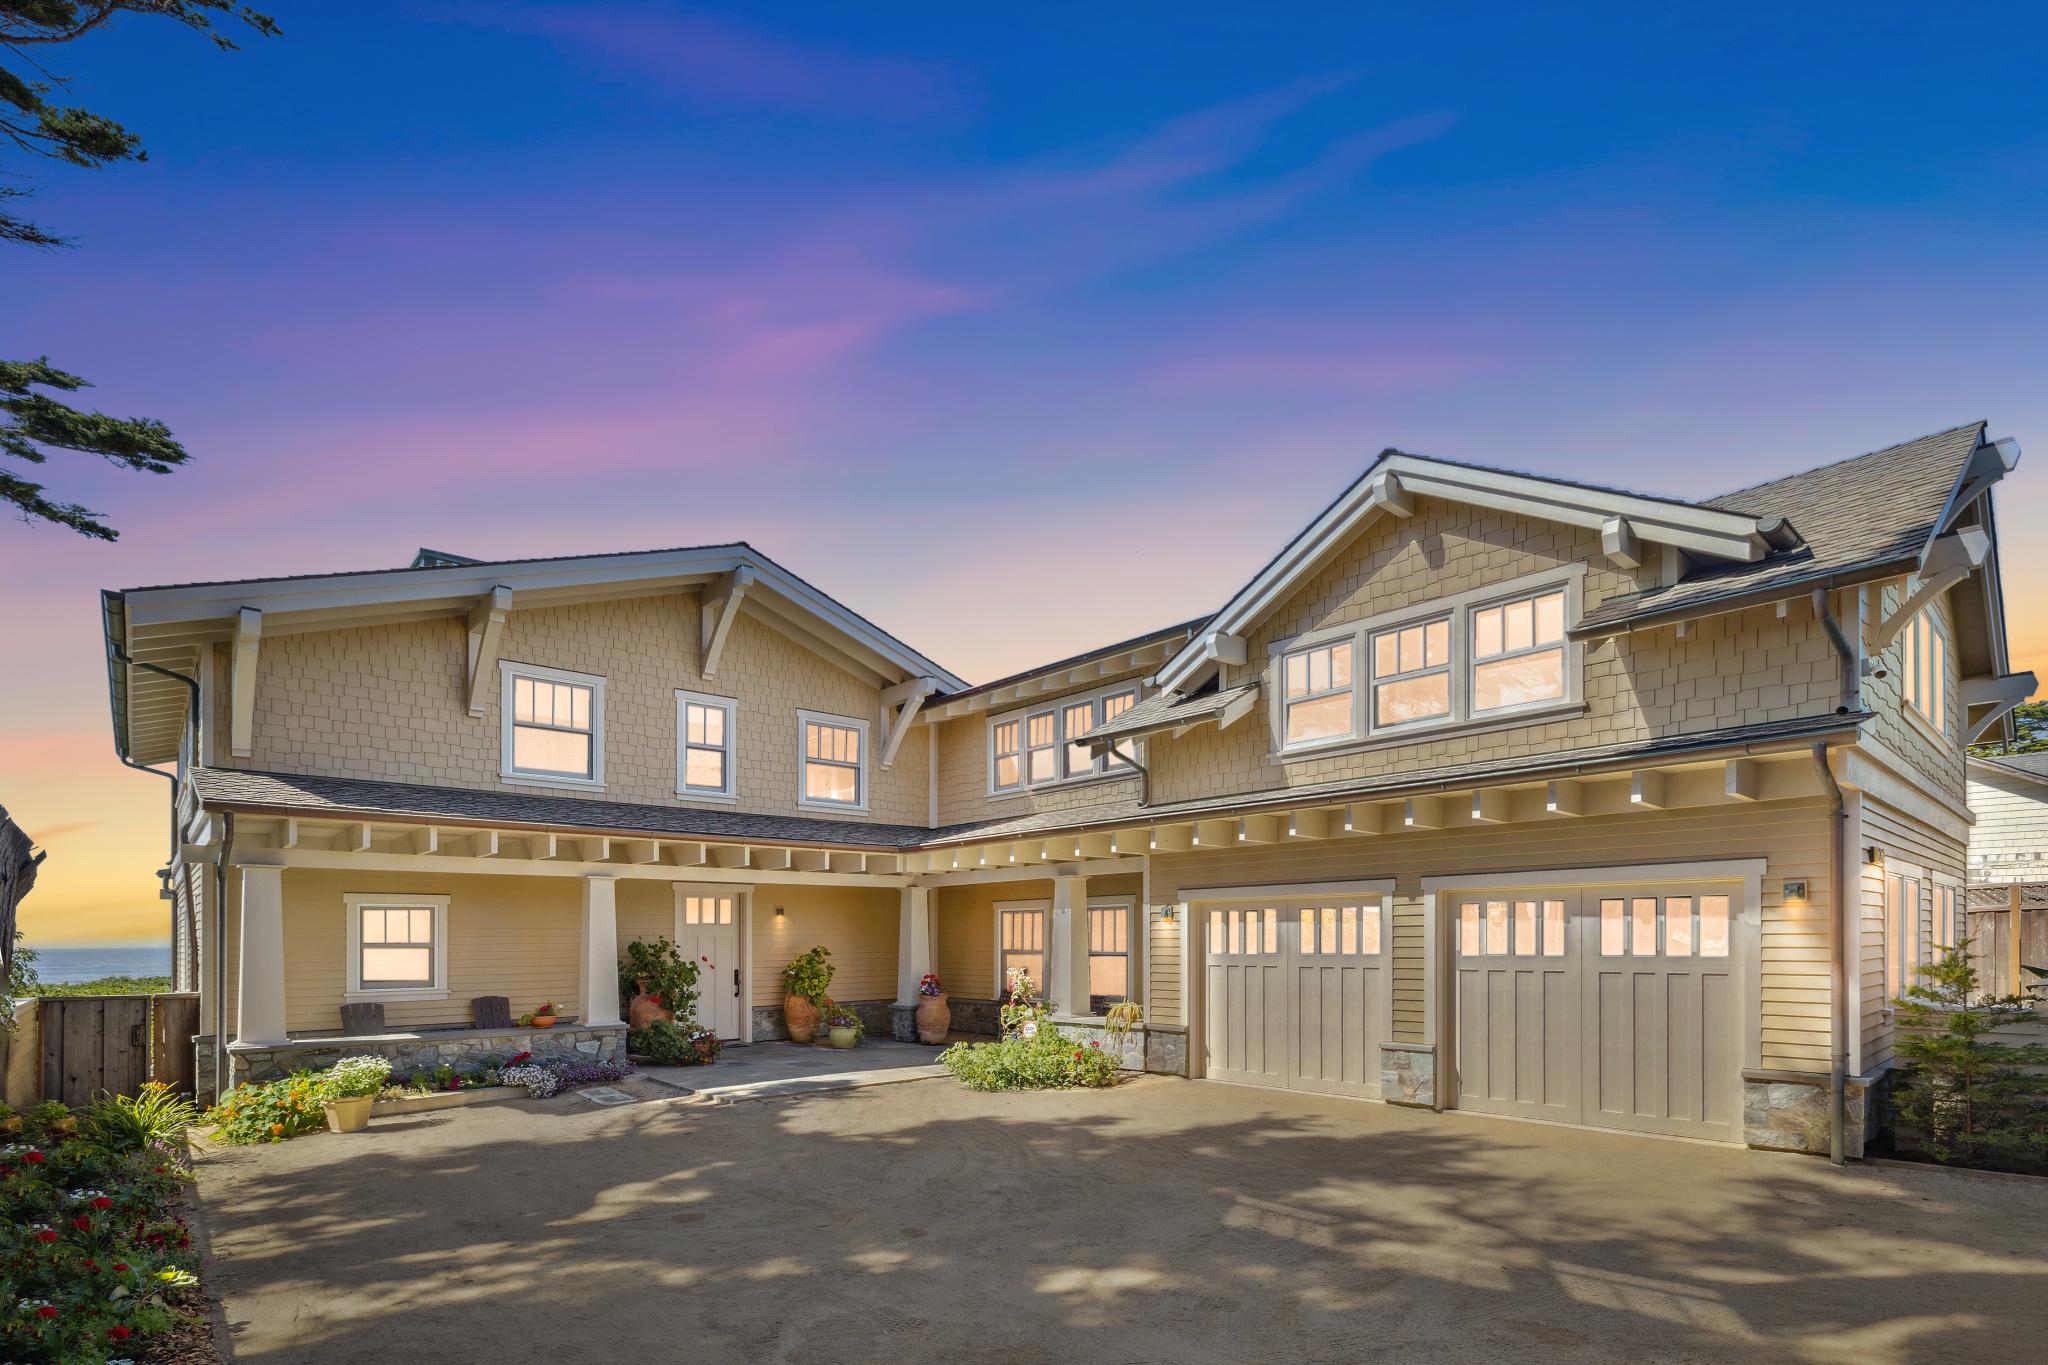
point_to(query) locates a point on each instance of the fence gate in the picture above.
(93, 1043)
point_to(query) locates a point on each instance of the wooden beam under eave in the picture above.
(1303, 825)
(1743, 779)
(683, 854)
(356, 838)
(1365, 817)
(425, 840)
(717, 613)
(772, 859)
(1095, 845)
(1065, 849)
(641, 851)
(542, 847)
(1215, 834)
(849, 863)
(727, 855)
(810, 860)
(1618, 541)
(1565, 797)
(1175, 838)
(288, 835)
(486, 630)
(884, 864)
(483, 844)
(1647, 789)
(595, 848)
(1490, 806)
(1128, 842)
(242, 689)
(1422, 812)
(1258, 829)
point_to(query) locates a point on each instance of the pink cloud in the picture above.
(709, 58)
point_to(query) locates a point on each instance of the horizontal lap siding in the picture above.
(519, 937)
(1792, 838)
(647, 911)
(964, 926)
(858, 924)
(2010, 839)
(1910, 844)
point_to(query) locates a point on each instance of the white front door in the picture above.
(708, 933)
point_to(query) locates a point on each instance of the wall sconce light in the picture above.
(1795, 890)
(778, 912)
(1169, 914)
(1873, 855)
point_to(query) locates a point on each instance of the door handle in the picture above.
(735, 983)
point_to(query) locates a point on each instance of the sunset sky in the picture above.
(1017, 334)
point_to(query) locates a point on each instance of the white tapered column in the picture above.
(259, 1009)
(1068, 988)
(913, 943)
(600, 951)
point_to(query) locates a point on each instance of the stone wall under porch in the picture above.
(424, 1050)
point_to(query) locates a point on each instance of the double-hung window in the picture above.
(553, 726)
(397, 946)
(1319, 700)
(1411, 673)
(1902, 931)
(1518, 652)
(1039, 747)
(833, 755)
(705, 731)
(1109, 952)
(1496, 655)
(1923, 669)
(1020, 947)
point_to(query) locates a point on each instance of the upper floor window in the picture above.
(833, 756)
(1923, 665)
(705, 728)
(1041, 746)
(1483, 656)
(1518, 652)
(553, 726)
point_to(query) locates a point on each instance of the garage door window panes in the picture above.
(1511, 928)
(1340, 930)
(1670, 926)
(1245, 933)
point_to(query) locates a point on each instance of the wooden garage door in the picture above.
(1297, 993)
(1614, 1008)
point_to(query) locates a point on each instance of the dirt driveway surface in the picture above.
(1164, 1221)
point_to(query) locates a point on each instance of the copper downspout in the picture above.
(1838, 816)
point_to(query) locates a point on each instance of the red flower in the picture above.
(120, 1333)
(34, 1158)
(159, 1170)
(46, 1235)
(1077, 1054)
(82, 1223)
(120, 1265)
(103, 1203)
(46, 1311)
(91, 1264)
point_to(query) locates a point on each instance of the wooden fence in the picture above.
(94, 1043)
(2002, 917)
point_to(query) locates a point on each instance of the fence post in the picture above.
(2013, 937)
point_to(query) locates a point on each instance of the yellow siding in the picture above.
(964, 919)
(647, 911)
(859, 925)
(519, 937)
(1791, 836)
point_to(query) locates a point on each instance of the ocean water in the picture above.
(60, 965)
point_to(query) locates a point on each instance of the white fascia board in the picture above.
(1988, 463)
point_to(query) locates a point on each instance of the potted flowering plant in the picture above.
(350, 1088)
(540, 1017)
(842, 1025)
(657, 982)
(1023, 1012)
(934, 1015)
(804, 983)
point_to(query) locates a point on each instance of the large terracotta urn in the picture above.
(645, 1009)
(801, 1016)
(934, 1018)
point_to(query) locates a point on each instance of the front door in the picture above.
(708, 933)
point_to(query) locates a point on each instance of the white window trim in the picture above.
(354, 903)
(1044, 908)
(803, 760)
(1461, 719)
(1129, 905)
(1057, 707)
(507, 671)
(1917, 913)
(1940, 734)
(731, 707)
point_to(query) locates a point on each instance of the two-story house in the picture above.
(1490, 790)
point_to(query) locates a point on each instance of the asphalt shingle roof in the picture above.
(2034, 766)
(1856, 514)
(1162, 710)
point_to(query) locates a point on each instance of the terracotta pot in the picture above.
(801, 1018)
(543, 1021)
(645, 1009)
(934, 1018)
(843, 1037)
(348, 1116)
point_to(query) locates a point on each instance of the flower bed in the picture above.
(94, 1261)
(1044, 1060)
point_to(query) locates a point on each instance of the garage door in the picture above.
(1297, 993)
(1615, 1008)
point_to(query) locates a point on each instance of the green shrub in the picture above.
(1958, 1097)
(808, 975)
(122, 1123)
(271, 1111)
(671, 978)
(1044, 1061)
(665, 1044)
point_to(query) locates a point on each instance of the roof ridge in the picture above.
(1846, 459)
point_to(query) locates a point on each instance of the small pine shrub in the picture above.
(1959, 1097)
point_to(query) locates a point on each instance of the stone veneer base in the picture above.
(462, 1049)
(1408, 1074)
(874, 1017)
(1787, 1111)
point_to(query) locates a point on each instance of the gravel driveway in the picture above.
(1164, 1221)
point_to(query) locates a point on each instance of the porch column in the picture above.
(1068, 960)
(913, 943)
(259, 1011)
(600, 951)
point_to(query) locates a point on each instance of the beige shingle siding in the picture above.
(963, 767)
(1741, 669)
(1791, 836)
(1940, 763)
(386, 702)
(2010, 839)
